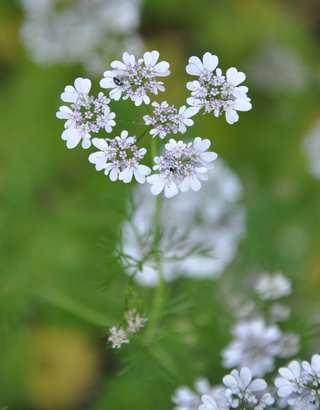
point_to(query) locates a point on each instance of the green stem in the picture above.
(158, 300)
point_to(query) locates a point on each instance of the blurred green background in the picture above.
(60, 288)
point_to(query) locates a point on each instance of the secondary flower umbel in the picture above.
(181, 167)
(135, 79)
(167, 119)
(85, 115)
(120, 158)
(215, 92)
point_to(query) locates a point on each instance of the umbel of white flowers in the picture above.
(179, 166)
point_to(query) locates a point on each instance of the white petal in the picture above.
(82, 85)
(210, 62)
(234, 76)
(69, 94)
(113, 175)
(170, 190)
(100, 143)
(126, 175)
(194, 66)
(242, 105)
(150, 58)
(162, 69)
(232, 116)
(64, 113)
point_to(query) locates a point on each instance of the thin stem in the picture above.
(143, 134)
(158, 300)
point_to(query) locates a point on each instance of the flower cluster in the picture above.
(167, 119)
(178, 166)
(257, 339)
(238, 391)
(181, 167)
(299, 384)
(214, 92)
(85, 32)
(134, 323)
(199, 233)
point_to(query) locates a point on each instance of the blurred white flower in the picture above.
(120, 158)
(311, 146)
(181, 167)
(299, 384)
(85, 115)
(277, 69)
(84, 31)
(117, 337)
(273, 286)
(255, 345)
(245, 392)
(199, 233)
(185, 398)
(134, 78)
(135, 321)
(215, 92)
(289, 345)
(167, 119)
(279, 312)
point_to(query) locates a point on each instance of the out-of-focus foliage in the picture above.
(60, 287)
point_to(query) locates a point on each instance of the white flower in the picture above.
(135, 79)
(185, 398)
(117, 337)
(299, 384)
(255, 346)
(208, 403)
(135, 321)
(167, 119)
(273, 286)
(245, 392)
(215, 92)
(181, 167)
(279, 312)
(85, 115)
(85, 32)
(200, 233)
(120, 158)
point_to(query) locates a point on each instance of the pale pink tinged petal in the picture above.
(170, 190)
(234, 76)
(73, 140)
(245, 376)
(64, 113)
(230, 381)
(194, 66)
(242, 105)
(82, 85)
(210, 62)
(107, 83)
(195, 184)
(258, 385)
(232, 116)
(113, 175)
(118, 65)
(100, 143)
(115, 94)
(86, 142)
(126, 175)
(69, 94)
(150, 58)
(193, 85)
(185, 185)
(208, 156)
(162, 69)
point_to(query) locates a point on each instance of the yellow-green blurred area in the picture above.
(60, 287)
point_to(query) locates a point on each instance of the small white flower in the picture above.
(181, 167)
(134, 79)
(85, 115)
(215, 92)
(255, 345)
(299, 384)
(208, 403)
(117, 337)
(273, 286)
(279, 312)
(245, 392)
(120, 158)
(135, 321)
(167, 119)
